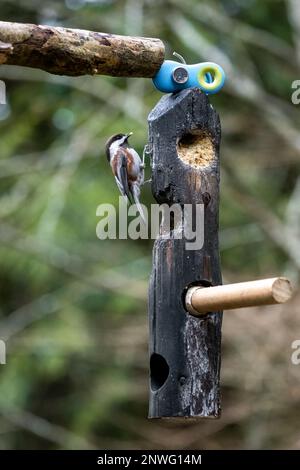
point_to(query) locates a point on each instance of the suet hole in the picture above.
(196, 149)
(159, 371)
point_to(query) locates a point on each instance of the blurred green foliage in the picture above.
(73, 308)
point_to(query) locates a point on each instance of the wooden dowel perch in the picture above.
(65, 51)
(201, 300)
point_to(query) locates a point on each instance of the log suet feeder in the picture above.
(185, 352)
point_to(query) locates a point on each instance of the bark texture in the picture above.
(64, 51)
(5, 50)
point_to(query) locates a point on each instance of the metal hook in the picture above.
(147, 151)
(179, 57)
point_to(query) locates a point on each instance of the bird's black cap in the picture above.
(111, 140)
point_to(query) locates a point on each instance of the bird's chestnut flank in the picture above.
(175, 76)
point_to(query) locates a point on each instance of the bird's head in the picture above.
(117, 140)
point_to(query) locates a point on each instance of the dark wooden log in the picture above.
(185, 351)
(66, 51)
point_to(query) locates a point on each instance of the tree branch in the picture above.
(5, 50)
(65, 51)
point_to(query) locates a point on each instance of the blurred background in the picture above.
(77, 362)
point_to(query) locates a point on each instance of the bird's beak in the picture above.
(128, 135)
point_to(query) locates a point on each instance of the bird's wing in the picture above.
(121, 174)
(121, 189)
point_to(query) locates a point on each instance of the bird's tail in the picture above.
(136, 194)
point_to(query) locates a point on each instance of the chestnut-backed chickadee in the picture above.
(127, 168)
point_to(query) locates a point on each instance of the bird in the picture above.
(127, 168)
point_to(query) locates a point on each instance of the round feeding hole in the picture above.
(159, 371)
(196, 150)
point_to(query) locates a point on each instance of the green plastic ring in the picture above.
(215, 72)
